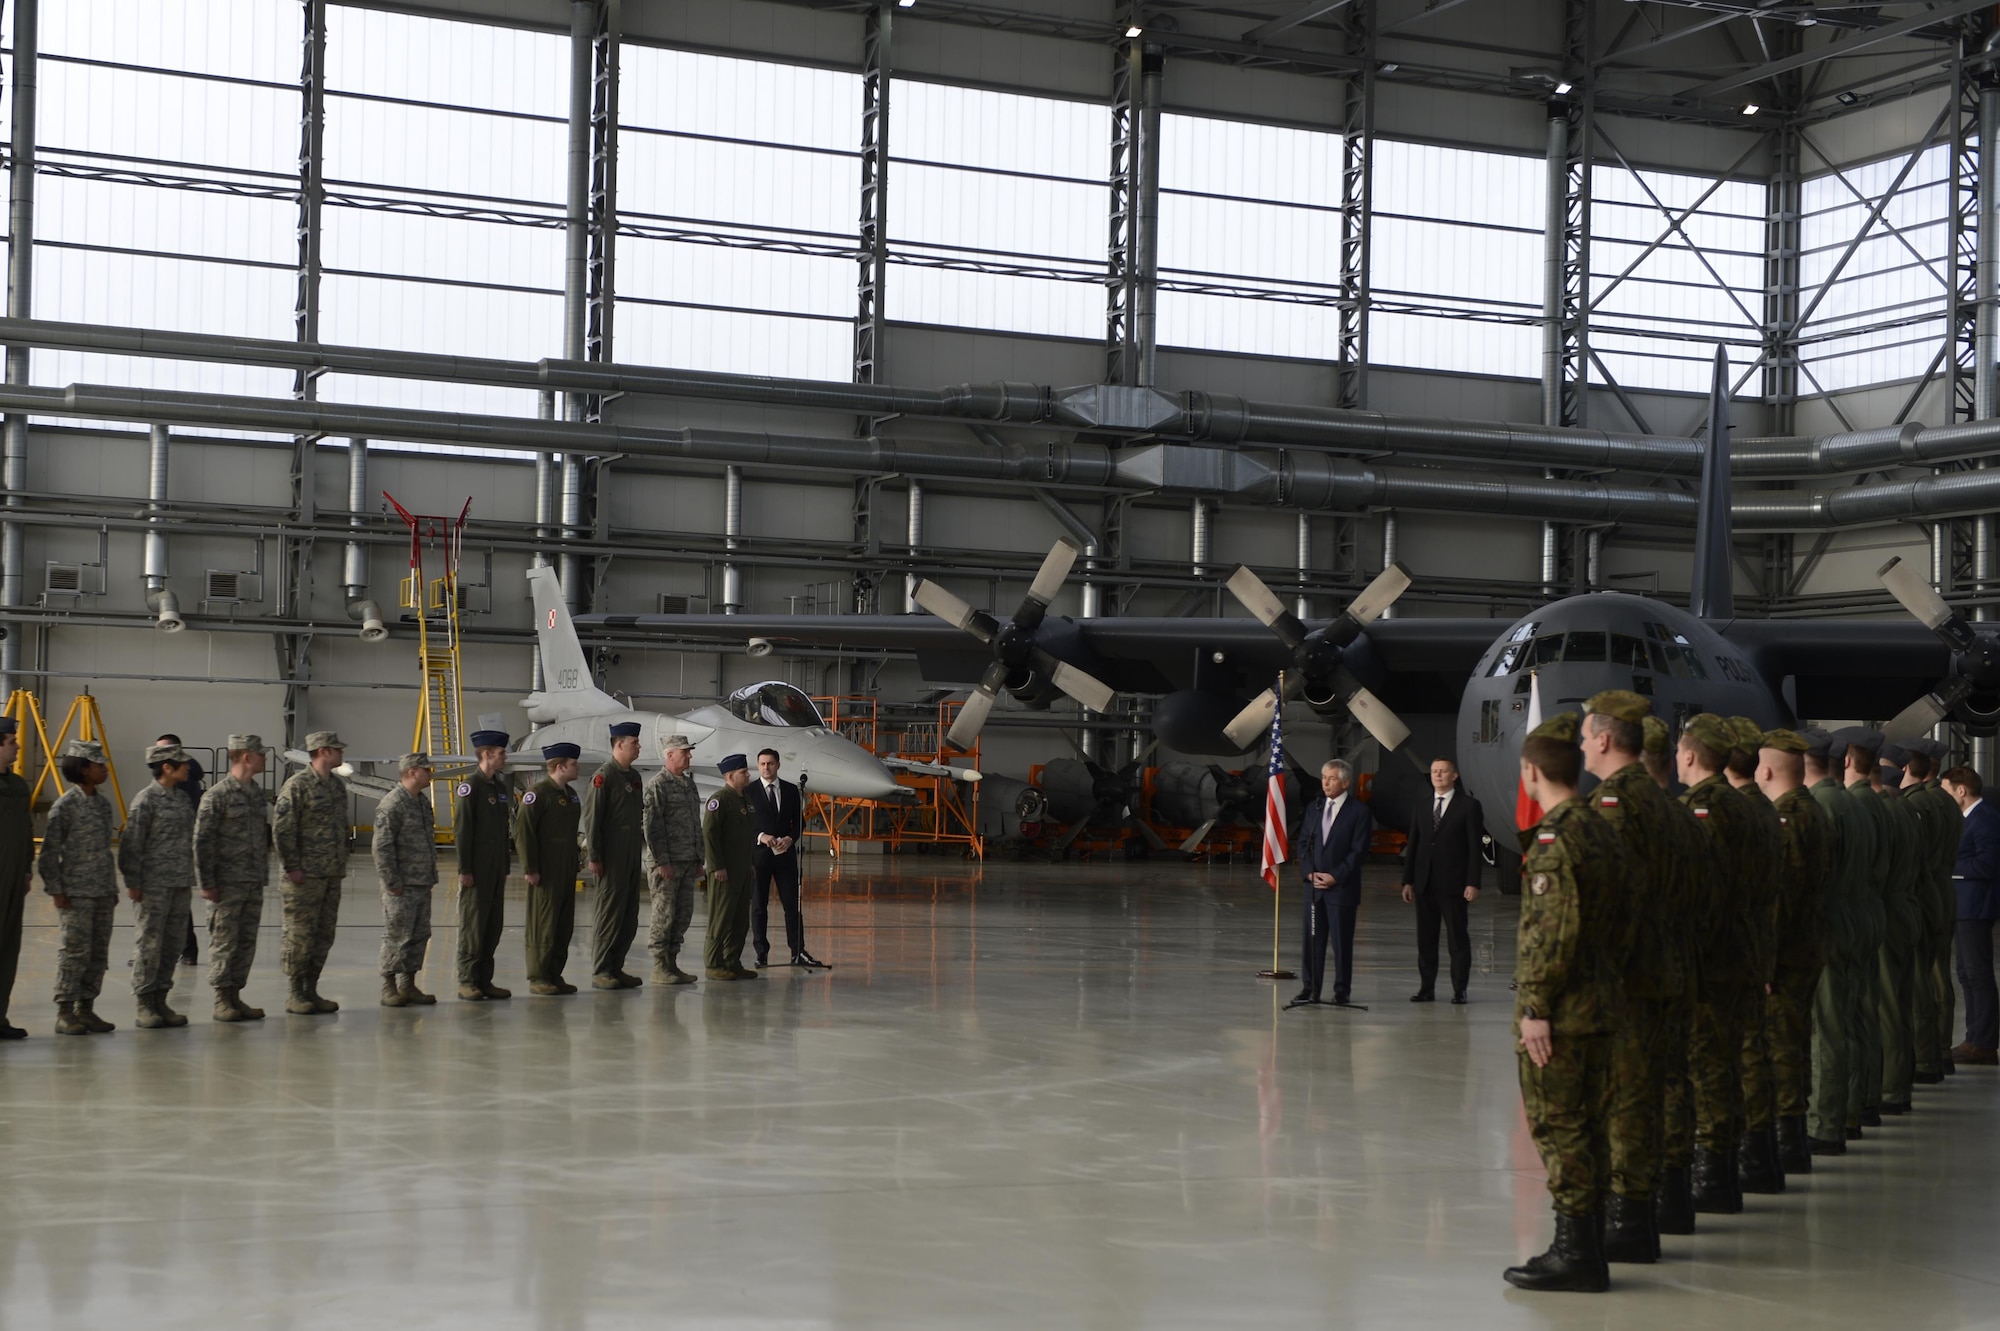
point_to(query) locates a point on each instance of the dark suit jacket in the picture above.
(1977, 873)
(1341, 853)
(1445, 860)
(786, 819)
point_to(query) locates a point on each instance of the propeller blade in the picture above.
(1379, 595)
(951, 609)
(1199, 835)
(1919, 718)
(972, 716)
(1915, 592)
(1260, 601)
(1049, 581)
(1079, 684)
(1252, 721)
(1387, 728)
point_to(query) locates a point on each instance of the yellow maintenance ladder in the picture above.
(440, 728)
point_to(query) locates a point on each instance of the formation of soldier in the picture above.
(1715, 989)
(660, 834)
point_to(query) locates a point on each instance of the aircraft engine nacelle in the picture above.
(1192, 721)
(1033, 689)
(1323, 696)
(1979, 713)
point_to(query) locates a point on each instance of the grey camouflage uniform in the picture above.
(671, 820)
(156, 857)
(406, 858)
(310, 826)
(232, 859)
(76, 863)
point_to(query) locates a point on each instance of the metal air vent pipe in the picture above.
(916, 539)
(1199, 517)
(1390, 541)
(732, 531)
(163, 603)
(1302, 607)
(354, 559)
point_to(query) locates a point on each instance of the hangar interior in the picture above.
(1396, 213)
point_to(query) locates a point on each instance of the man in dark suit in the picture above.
(1441, 871)
(1331, 845)
(1977, 878)
(779, 807)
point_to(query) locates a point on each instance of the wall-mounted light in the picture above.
(1387, 67)
(1133, 30)
(1845, 98)
(1562, 86)
(1751, 108)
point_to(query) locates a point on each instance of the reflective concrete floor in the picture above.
(1050, 1097)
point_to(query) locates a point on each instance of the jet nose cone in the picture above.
(844, 769)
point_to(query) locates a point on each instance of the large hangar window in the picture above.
(737, 187)
(998, 209)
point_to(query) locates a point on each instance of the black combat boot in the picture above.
(1673, 1202)
(1757, 1162)
(1573, 1263)
(1628, 1231)
(1794, 1149)
(1714, 1182)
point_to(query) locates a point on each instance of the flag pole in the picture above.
(1276, 972)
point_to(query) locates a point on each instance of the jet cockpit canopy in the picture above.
(774, 703)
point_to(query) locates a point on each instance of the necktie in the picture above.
(1437, 813)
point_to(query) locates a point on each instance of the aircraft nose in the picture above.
(854, 773)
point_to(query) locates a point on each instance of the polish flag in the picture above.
(1526, 812)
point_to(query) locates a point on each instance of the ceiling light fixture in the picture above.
(1845, 98)
(1751, 108)
(1562, 86)
(1134, 30)
(1387, 67)
(906, 4)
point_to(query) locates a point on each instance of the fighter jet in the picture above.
(1205, 671)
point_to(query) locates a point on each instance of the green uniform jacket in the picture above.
(1654, 885)
(1872, 894)
(1947, 825)
(613, 816)
(729, 835)
(17, 834)
(1907, 866)
(1566, 965)
(545, 833)
(1739, 884)
(1849, 852)
(1694, 894)
(1805, 867)
(1768, 887)
(483, 825)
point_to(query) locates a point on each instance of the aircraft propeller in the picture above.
(1975, 661)
(1316, 662)
(1014, 647)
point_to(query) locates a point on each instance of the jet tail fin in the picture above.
(567, 688)
(1712, 592)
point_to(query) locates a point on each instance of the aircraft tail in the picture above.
(1712, 592)
(567, 688)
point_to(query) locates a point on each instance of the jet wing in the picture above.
(1844, 669)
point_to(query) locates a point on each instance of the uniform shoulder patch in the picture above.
(1540, 883)
(528, 798)
(464, 789)
(597, 780)
(1701, 813)
(1545, 837)
(714, 804)
(1609, 802)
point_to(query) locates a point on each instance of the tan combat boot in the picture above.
(67, 1022)
(675, 975)
(321, 1003)
(160, 1006)
(298, 999)
(392, 996)
(493, 990)
(416, 996)
(546, 988)
(228, 1007)
(147, 1018)
(471, 993)
(86, 1012)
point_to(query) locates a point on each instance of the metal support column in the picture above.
(1146, 222)
(20, 305)
(589, 232)
(869, 314)
(295, 592)
(1121, 261)
(1357, 133)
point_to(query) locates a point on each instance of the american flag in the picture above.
(1276, 849)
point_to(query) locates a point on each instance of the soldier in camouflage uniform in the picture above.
(1897, 1000)
(672, 823)
(1567, 1003)
(613, 818)
(1837, 1000)
(1803, 870)
(1856, 752)
(1654, 972)
(545, 834)
(232, 861)
(156, 857)
(17, 862)
(484, 831)
(405, 851)
(311, 827)
(1730, 996)
(1757, 1168)
(1691, 922)
(77, 872)
(729, 837)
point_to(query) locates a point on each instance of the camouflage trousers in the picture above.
(406, 930)
(551, 924)
(1568, 1104)
(232, 937)
(1838, 1005)
(1715, 1067)
(673, 910)
(1788, 1026)
(312, 909)
(1640, 1059)
(85, 948)
(162, 933)
(482, 913)
(1894, 1000)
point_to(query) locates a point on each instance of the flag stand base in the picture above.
(1277, 975)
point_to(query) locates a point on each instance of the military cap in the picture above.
(735, 762)
(1819, 744)
(1746, 734)
(410, 762)
(558, 752)
(1656, 734)
(165, 753)
(1862, 735)
(1935, 750)
(1563, 727)
(1710, 729)
(489, 739)
(87, 749)
(324, 739)
(244, 743)
(672, 742)
(1785, 741)
(624, 729)
(1620, 704)
(8, 725)
(1892, 754)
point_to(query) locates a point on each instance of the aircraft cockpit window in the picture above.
(774, 703)
(1515, 653)
(1584, 646)
(1548, 650)
(1526, 631)
(1629, 651)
